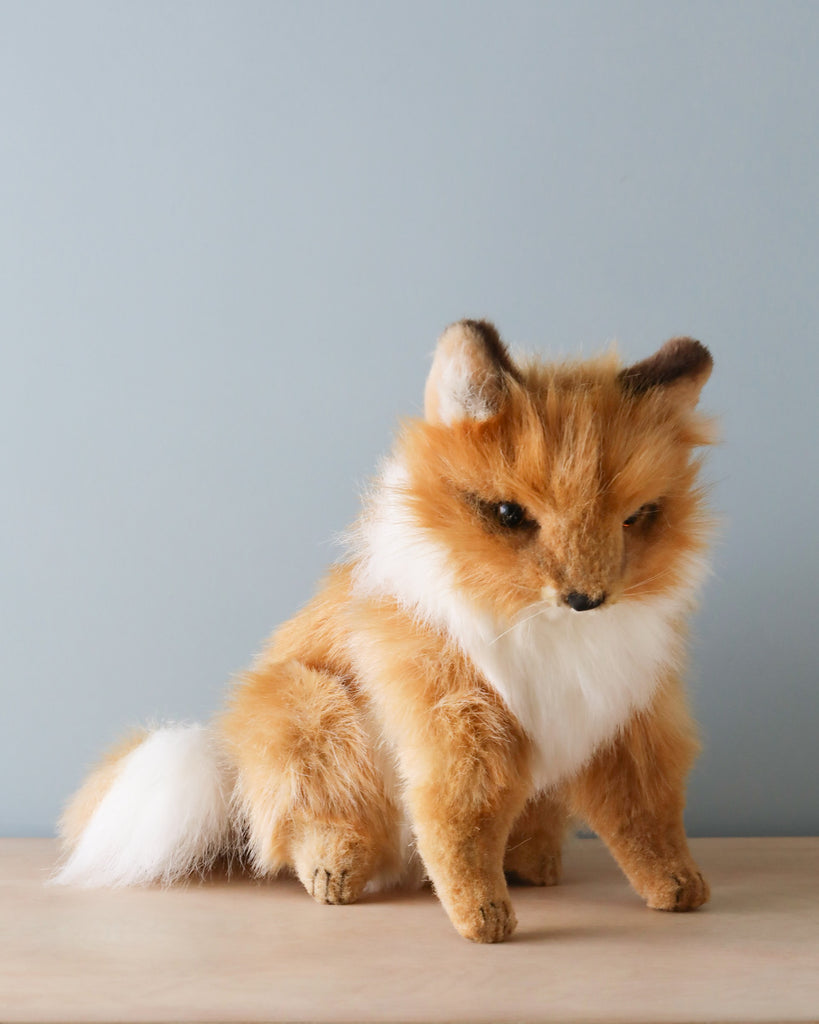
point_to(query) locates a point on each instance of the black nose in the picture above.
(582, 602)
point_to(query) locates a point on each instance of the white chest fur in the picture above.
(572, 679)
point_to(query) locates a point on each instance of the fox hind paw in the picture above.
(335, 887)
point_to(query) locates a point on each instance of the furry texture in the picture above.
(501, 649)
(601, 667)
(159, 812)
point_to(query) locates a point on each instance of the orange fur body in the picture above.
(383, 730)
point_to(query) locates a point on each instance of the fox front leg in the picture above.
(467, 787)
(462, 848)
(464, 761)
(633, 794)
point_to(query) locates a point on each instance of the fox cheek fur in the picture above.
(500, 650)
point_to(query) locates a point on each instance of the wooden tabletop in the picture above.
(586, 950)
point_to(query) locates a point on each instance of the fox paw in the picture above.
(679, 890)
(533, 867)
(332, 866)
(333, 886)
(492, 921)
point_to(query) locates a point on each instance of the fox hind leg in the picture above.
(311, 796)
(534, 850)
(334, 860)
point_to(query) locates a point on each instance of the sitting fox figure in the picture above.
(499, 651)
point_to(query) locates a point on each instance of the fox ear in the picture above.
(469, 374)
(681, 368)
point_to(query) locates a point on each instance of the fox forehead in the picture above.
(568, 438)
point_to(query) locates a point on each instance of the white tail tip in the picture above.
(166, 815)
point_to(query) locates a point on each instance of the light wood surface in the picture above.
(586, 950)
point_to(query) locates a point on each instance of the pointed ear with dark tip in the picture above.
(681, 368)
(469, 375)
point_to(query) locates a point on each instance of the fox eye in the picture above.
(506, 515)
(647, 512)
(510, 514)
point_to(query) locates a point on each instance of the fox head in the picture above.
(570, 485)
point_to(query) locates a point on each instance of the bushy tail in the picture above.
(157, 813)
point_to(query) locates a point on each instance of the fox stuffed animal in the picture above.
(499, 651)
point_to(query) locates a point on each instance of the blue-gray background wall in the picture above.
(230, 236)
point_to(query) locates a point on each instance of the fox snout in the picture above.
(583, 602)
(584, 562)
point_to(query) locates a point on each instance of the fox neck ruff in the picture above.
(572, 680)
